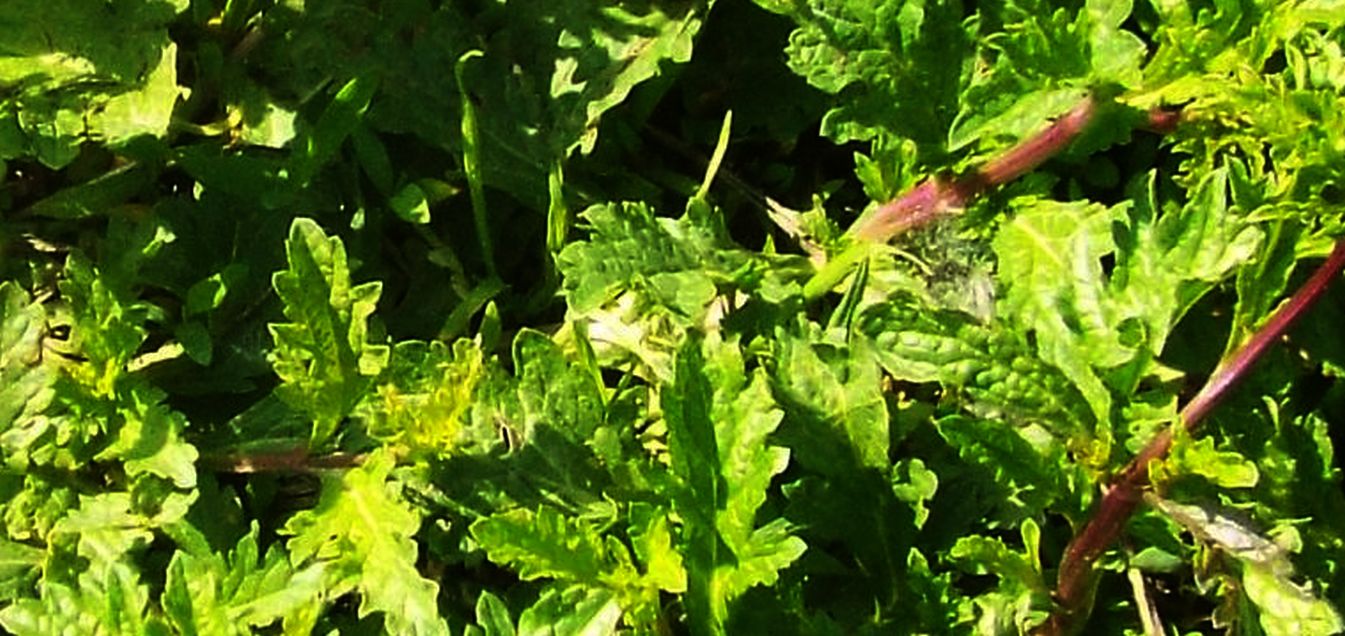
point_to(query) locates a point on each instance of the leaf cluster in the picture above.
(503, 317)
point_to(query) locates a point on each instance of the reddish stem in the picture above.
(296, 460)
(1074, 582)
(938, 196)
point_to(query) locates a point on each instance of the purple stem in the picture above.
(938, 196)
(1074, 582)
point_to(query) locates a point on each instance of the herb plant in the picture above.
(675, 316)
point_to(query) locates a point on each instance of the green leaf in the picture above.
(104, 600)
(554, 391)
(899, 65)
(146, 111)
(1286, 609)
(915, 484)
(74, 72)
(1167, 261)
(1022, 598)
(410, 204)
(492, 615)
(571, 611)
(23, 377)
(421, 402)
(323, 355)
(1105, 330)
(629, 247)
(337, 122)
(149, 441)
(106, 528)
(651, 536)
(586, 60)
(1019, 461)
(991, 366)
(361, 532)
(215, 594)
(1050, 257)
(1226, 469)
(718, 420)
(107, 326)
(19, 567)
(834, 393)
(546, 544)
(1284, 606)
(373, 158)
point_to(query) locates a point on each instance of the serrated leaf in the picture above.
(554, 391)
(651, 536)
(360, 527)
(899, 63)
(1021, 599)
(1103, 331)
(1226, 469)
(536, 113)
(149, 441)
(323, 355)
(105, 527)
(990, 365)
(629, 247)
(1025, 117)
(1050, 257)
(718, 420)
(571, 611)
(107, 326)
(104, 600)
(547, 544)
(1022, 465)
(1167, 260)
(212, 594)
(421, 402)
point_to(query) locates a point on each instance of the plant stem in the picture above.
(295, 460)
(937, 196)
(1075, 580)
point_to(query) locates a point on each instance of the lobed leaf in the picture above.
(323, 355)
(361, 535)
(718, 420)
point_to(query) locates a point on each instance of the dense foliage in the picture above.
(540, 316)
